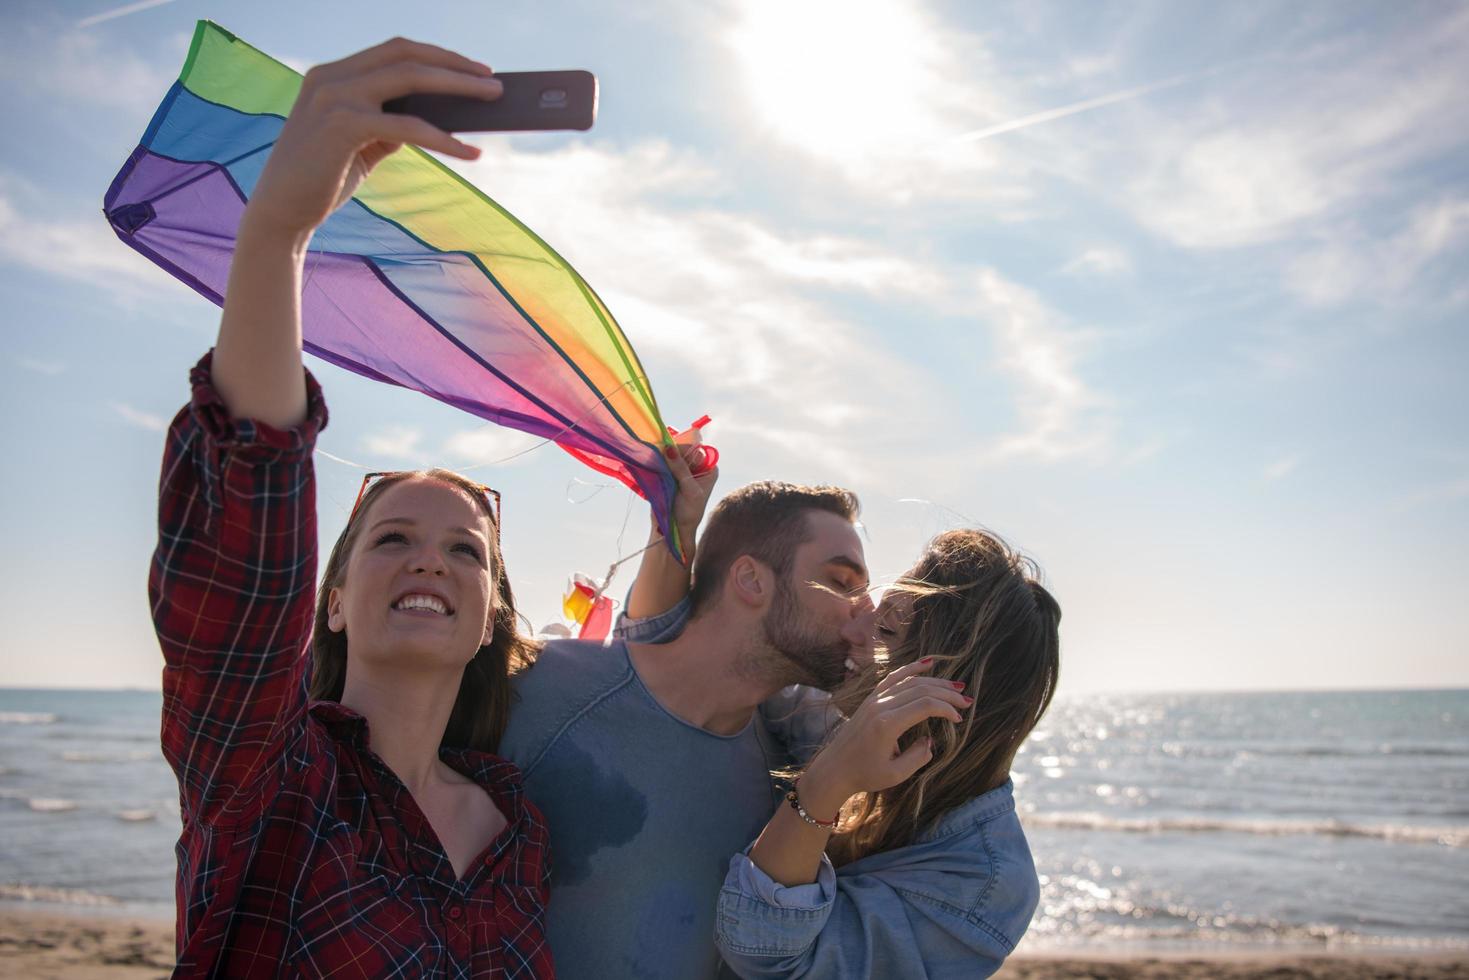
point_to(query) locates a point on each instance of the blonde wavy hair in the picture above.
(980, 611)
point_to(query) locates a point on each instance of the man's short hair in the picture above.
(766, 521)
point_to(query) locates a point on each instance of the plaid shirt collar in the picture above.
(498, 777)
(344, 724)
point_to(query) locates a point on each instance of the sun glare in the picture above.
(839, 79)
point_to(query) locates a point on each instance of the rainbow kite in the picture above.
(420, 280)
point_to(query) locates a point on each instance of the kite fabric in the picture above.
(420, 280)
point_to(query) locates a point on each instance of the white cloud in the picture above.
(467, 449)
(1061, 415)
(39, 365)
(721, 295)
(84, 250)
(1101, 260)
(489, 445)
(138, 417)
(1444, 492)
(1245, 166)
(1233, 188)
(834, 262)
(395, 441)
(1348, 264)
(88, 68)
(1282, 467)
(742, 309)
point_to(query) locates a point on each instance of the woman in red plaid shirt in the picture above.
(343, 817)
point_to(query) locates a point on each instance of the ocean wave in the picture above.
(1242, 751)
(1101, 912)
(1202, 933)
(17, 891)
(27, 718)
(51, 804)
(96, 757)
(1446, 836)
(1359, 752)
(135, 816)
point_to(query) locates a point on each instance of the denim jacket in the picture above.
(952, 904)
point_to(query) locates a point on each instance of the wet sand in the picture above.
(1237, 966)
(47, 945)
(53, 946)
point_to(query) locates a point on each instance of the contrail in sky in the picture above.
(122, 11)
(1076, 107)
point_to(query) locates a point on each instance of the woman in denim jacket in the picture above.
(900, 854)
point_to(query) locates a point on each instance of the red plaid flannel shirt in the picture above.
(302, 855)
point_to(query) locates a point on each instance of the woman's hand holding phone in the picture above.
(337, 131)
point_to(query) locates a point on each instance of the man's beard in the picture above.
(817, 659)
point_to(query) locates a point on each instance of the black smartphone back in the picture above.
(533, 100)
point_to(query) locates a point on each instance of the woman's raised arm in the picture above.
(234, 574)
(336, 133)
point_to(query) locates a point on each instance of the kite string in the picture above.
(570, 426)
(626, 516)
(597, 489)
(612, 568)
(515, 455)
(338, 459)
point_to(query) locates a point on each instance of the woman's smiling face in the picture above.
(418, 587)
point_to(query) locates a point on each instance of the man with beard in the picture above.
(650, 761)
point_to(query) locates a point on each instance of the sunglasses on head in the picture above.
(491, 495)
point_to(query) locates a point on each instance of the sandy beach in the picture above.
(1238, 966)
(52, 946)
(46, 945)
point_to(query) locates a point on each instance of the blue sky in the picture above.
(1171, 295)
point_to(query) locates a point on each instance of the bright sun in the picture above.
(840, 79)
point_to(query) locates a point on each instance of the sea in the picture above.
(1159, 822)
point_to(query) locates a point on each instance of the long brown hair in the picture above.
(483, 703)
(980, 611)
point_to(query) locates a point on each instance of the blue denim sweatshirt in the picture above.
(952, 904)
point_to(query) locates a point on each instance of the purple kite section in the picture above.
(360, 314)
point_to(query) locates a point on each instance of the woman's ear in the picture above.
(336, 619)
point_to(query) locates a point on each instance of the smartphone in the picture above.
(533, 100)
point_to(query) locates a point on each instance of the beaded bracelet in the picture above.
(795, 802)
